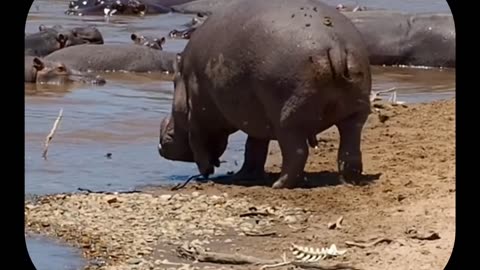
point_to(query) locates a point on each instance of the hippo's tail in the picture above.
(336, 64)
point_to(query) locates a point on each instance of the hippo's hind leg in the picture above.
(255, 156)
(294, 147)
(349, 157)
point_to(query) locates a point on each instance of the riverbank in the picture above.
(409, 154)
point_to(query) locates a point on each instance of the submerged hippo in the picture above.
(395, 38)
(86, 34)
(42, 71)
(196, 21)
(123, 7)
(148, 41)
(286, 89)
(50, 39)
(115, 57)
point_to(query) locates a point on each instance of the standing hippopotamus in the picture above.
(50, 39)
(124, 7)
(283, 70)
(50, 72)
(115, 57)
(396, 38)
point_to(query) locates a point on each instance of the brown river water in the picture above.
(122, 117)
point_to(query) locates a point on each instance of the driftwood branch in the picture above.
(366, 245)
(52, 132)
(180, 186)
(199, 254)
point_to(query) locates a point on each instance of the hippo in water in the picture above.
(42, 71)
(394, 38)
(115, 57)
(286, 89)
(78, 35)
(121, 7)
(50, 39)
(196, 21)
(149, 41)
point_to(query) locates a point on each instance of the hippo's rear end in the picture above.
(301, 63)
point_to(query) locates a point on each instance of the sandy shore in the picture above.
(409, 157)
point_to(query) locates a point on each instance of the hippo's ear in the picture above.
(134, 36)
(161, 41)
(62, 39)
(42, 28)
(38, 64)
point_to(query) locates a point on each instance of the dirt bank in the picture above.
(409, 161)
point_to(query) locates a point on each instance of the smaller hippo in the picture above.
(77, 35)
(50, 39)
(151, 42)
(49, 72)
(115, 57)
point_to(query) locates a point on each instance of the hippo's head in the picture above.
(50, 72)
(75, 36)
(174, 143)
(89, 34)
(151, 42)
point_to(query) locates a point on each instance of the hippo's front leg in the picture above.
(349, 153)
(255, 156)
(294, 149)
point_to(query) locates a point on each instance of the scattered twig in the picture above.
(52, 132)
(338, 266)
(337, 224)
(249, 214)
(366, 245)
(284, 259)
(109, 192)
(180, 186)
(260, 233)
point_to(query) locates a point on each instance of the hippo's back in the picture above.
(114, 57)
(272, 37)
(289, 59)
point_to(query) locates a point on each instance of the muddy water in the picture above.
(122, 117)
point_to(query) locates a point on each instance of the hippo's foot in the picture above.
(349, 161)
(252, 170)
(294, 156)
